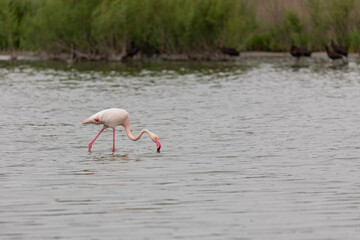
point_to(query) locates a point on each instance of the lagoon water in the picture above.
(253, 149)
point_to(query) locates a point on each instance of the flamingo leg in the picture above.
(114, 140)
(91, 143)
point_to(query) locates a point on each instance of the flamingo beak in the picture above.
(158, 144)
(85, 120)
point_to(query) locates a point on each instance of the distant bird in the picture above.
(114, 117)
(333, 55)
(299, 51)
(230, 51)
(132, 52)
(339, 49)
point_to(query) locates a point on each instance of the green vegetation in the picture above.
(109, 29)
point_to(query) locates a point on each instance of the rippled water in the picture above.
(257, 149)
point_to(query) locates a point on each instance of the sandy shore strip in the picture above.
(32, 56)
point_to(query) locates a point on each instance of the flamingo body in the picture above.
(113, 117)
(109, 118)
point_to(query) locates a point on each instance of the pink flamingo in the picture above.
(114, 117)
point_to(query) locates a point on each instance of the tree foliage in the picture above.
(110, 28)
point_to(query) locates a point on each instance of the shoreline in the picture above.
(34, 56)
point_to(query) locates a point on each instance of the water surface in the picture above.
(254, 149)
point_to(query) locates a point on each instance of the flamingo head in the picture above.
(155, 139)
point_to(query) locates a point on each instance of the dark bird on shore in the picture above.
(338, 48)
(132, 52)
(230, 51)
(333, 55)
(299, 51)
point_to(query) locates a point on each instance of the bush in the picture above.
(259, 42)
(110, 28)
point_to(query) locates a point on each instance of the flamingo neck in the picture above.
(129, 134)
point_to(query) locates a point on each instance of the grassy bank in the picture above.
(113, 29)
